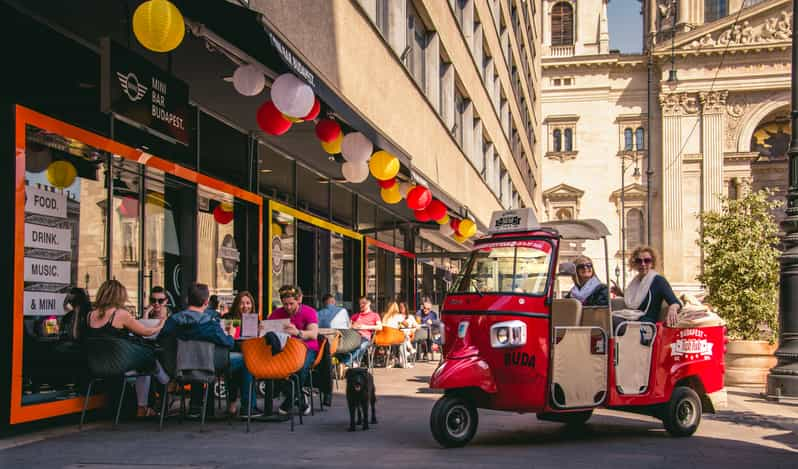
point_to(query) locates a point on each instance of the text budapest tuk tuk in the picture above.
(509, 344)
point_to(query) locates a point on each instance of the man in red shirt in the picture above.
(365, 322)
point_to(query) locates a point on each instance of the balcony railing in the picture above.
(561, 51)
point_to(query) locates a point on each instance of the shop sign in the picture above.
(47, 237)
(47, 271)
(42, 202)
(229, 255)
(43, 303)
(136, 89)
(277, 255)
(522, 219)
(292, 61)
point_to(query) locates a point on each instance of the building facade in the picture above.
(715, 76)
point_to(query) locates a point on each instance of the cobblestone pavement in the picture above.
(752, 433)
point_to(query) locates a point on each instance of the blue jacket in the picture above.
(192, 325)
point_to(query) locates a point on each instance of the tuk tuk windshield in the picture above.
(516, 267)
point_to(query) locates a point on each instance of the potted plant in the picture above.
(741, 274)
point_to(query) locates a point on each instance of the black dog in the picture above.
(359, 393)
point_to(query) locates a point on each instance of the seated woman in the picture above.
(110, 318)
(587, 288)
(648, 289)
(394, 318)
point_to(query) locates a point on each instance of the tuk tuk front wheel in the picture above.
(683, 412)
(453, 421)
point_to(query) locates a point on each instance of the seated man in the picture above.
(304, 325)
(195, 323)
(332, 316)
(365, 322)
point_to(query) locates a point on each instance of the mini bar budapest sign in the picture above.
(137, 90)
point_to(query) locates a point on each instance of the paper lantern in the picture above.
(327, 130)
(277, 230)
(455, 224)
(37, 158)
(158, 25)
(404, 188)
(384, 165)
(271, 120)
(356, 148)
(391, 195)
(443, 221)
(222, 216)
(422, 215)
(293, 120)
(388, 184)
(419, 198)
(355, 172)
(314, 111)
(61, 173)
(248, 80)
(292, 96)
(459, 239)
(467, 228)
(226, 206)
(129, 207)
(436, 210)
(333, 147)
(446, 230)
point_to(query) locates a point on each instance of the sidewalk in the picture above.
(747, 406)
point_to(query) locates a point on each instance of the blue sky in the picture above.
(626, 25)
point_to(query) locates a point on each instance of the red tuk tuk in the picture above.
(509, 344)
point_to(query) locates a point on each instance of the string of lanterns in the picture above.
(159, 26)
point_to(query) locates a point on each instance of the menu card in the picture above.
(272, 325)
(249, 325)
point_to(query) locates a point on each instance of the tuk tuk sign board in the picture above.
(691, 344)
(512, 221)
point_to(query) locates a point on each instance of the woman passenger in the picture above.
(648, 289)
(587, 288)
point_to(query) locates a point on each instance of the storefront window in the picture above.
(125, 215)
(64, 248)
(282, 253)
(275, 175)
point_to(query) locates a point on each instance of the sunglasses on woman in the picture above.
(643, 260)
(584, 266)
(157, 300)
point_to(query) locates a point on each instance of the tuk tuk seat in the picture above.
(597, 316)
(566, 312)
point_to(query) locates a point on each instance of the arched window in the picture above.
(634, 228)
(557, 136)
(562, 24)
(640, 142)
(569, 140)
(564, 213)
(628, 143)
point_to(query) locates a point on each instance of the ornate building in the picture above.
(719, 93)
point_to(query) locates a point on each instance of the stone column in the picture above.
(674, 106)
(713, 123)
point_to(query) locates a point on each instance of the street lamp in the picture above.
(783, 379)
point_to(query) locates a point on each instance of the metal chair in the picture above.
(171, 349)
(387, 337)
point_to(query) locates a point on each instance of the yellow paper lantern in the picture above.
(226, 206)
(277, 230)
(158, 25)
(383, 165)
(391, 195)
(61, 173)
(292, 119)
(444, 221)
(467, 228)
(459, 239)
(333, 147)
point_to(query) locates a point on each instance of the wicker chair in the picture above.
(285, 365)
(387, 337)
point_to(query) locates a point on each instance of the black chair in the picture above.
(349, 343)
(112, 357)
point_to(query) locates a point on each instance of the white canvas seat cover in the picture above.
(579, 370)
(633, 360)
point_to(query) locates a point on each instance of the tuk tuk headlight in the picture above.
(508, 334)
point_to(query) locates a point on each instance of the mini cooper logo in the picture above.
(133, 88)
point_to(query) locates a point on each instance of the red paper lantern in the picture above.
(387, 184)
(328, 130)
(129, 208)
(419, 198)
(222, 216)
(455, 224)
(271, 120)
(436, 210)
(422, 215)
(314, 111)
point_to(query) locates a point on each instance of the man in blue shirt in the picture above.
(333, 316)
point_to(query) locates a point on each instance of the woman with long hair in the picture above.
(78, 306)
(587, 288)
(243, 303)
(648, 289)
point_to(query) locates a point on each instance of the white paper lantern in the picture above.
(355, 172)
(248, 80)
(292, 96)
(404, 188)
(356, 148)
(446, 229)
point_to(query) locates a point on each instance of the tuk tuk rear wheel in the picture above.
(683, 412)
(453, 421)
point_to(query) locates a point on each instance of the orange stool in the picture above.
(386, 337)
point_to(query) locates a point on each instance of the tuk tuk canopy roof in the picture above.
(578, 229)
